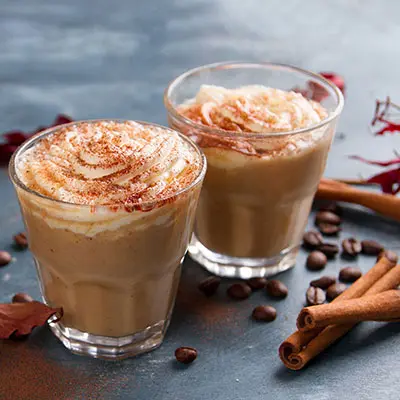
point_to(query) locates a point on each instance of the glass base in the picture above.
(110, 348)
(241, 267)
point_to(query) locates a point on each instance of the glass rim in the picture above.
(171, 108)
(145, 204)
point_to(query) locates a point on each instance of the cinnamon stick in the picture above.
(295, 342)
(385, 204)
(379, 307)
(334, 332)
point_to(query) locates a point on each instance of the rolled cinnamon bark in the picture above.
(379, 307)
(385, 204)
(331, 333)
(296, 341)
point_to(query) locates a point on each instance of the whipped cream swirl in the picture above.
(255, 108)
(109, 163)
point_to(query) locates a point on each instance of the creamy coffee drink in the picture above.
(254, 197)
(265, 161)
(109, 208)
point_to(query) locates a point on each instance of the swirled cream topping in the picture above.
(256, 109)
(109, 163)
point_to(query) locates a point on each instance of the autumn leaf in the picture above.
(21, 318)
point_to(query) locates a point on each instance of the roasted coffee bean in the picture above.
(351, 247)
(335, 290)
(239, 291)
(312, 239)
(257, 283)
(390, 255)
(324, 282)
(332, 207)
(21, 298)
(21, 241)
(209, 285)
(329, 249)
(329, 229)
(349, 274)
(264, 313)
(315, 295)
(316, 260)
(371, 247)
(5, 258)
(327, 217)
(276, 289)
(185, 355)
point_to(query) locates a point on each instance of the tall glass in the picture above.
(113, 270)
(259, 188)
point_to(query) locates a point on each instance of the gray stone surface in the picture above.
(102, 58)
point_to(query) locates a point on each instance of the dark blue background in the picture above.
(93, 59)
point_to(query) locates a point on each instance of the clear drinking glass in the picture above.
(116, 285)
(257, 193)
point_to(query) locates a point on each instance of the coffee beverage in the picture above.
(108, 207)
(261, 176)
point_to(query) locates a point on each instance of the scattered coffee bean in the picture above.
(351, 247)
(316, 260)
(312, 239)
(349, 274)
(329, 229)
(332, 207)
(185, 355)
(21, 241)
(315, 295)
(329, 249)
(335, 290)
(327, 217)
(390, 255)
(264, 313)
(257, 283)
(276, 289)
(324, 282)
(21, 298)
(239, 291)
(5, 258)
(209, 285)
(371, 247)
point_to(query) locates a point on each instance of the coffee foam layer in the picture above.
(252, 109)
(109, 163)
(114, 173)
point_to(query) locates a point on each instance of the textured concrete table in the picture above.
(101, 58)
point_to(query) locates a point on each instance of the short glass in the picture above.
(254, 204)
(114, 273)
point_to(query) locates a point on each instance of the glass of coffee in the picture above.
(109, 207)
(266, 130)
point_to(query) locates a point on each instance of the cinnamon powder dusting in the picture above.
(30, 372)
(109, 163)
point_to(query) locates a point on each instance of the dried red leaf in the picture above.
(317, 92)
(15, 137)
(6, 151)
(20, 318)
(390, 127)
(62, 119)
(383, 111)
(335, 79)
(389, 181)
(379, 163)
